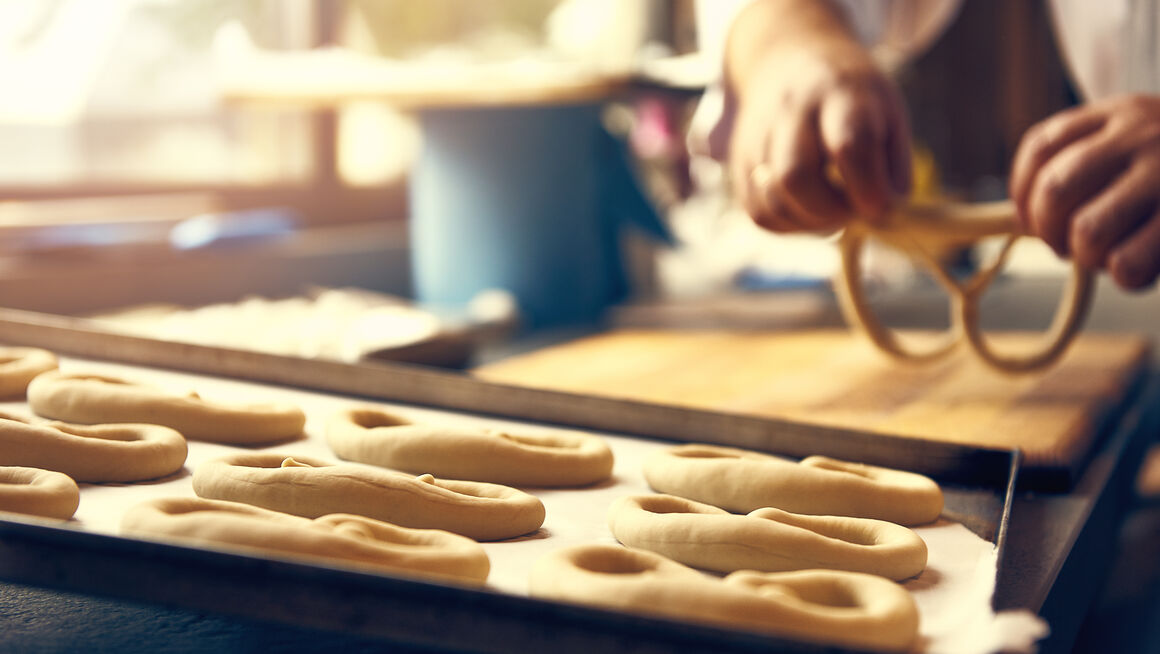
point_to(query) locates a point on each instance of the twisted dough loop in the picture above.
(93, 453)
(19, 366)
(768, 540)
(33, 491)
(93, 399)
(311, 488)
(557, 460)
(742, 481)
(345, 538)
(924, 232)
(822, 606)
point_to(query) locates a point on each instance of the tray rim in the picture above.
(24, 541)
(196, 576)
(423, 386)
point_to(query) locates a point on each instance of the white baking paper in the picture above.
(953, 593)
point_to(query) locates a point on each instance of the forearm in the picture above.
(768, 26)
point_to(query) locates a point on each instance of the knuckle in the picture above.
(1052, 190)
(1128, 272)
(854, 145)
(1089, 240)
(1037, 139)
(794, 178)
(772, 222)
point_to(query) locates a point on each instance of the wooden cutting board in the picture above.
(836, 378)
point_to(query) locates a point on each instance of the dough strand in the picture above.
(312, 488)
(767, 540)
(44, 493)
(19, 366)
(742, 481)
(93, 453)
(553, 460)
(925, 232)
(96, 399)
(820, 606)
(350, 539)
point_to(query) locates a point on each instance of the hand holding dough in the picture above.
(345, 538)
(311, 488)
(555, 460)
(820, 606)
(93, 453)
(768, 540)
(18, 367)
(742, 481)
(33, 491)
(93, 399)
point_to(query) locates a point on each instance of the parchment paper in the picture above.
(953, 593)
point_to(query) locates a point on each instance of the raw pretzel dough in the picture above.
(19, 365)
(312, 488)
(93, 453)
(769, 540)
(370, 435)
(338, 537)
(821, 606)
(92, 399)
(33, 491)
(925, 232)
(742, 481)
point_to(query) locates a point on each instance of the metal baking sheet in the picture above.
(979, 487)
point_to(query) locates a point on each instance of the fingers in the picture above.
(853, 132)
(799, 181)
(1103, 223)
(898, 143)
(1041, 143)
(1068, 179)
(763, 207)
(1135, 265)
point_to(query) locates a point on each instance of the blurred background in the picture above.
(140, 165)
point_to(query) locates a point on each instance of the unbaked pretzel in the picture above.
(93, 399)
(311, 488)
(338, 537)
(742, 481)
(821, 606)
(19, 365)
(768, 540)
(371, 435)
(33, 491)
(93, 453)
(927, 231)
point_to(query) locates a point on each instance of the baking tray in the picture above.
(978, 484)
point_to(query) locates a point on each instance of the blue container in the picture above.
(517, 198)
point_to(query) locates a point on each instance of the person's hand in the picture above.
(806, 112)
(1087, 181)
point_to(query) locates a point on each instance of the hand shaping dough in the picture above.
(821, 606)
(769, 540)
(19, 365)
(33, 491)
(311, 488)
(370, 435)
(338, 537)
(92, 399)
(93, 453)
(742, 481)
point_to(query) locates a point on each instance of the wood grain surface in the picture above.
(834, 378)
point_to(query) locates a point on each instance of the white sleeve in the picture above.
(1110, 46)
